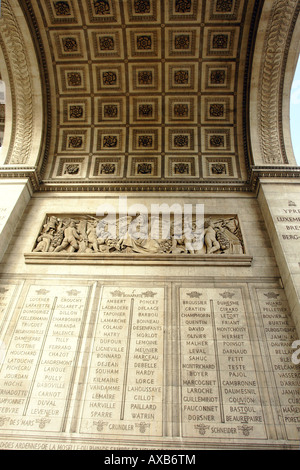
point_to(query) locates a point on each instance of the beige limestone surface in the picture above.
(146, 356)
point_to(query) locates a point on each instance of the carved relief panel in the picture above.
(152, 235)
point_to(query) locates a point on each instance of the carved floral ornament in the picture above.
(272, 71)
(15, 54)
(90, 237)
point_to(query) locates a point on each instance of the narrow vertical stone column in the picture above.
(14, 197)
(280, 206)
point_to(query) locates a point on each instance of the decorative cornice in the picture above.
(273, 172)
(14, 50)
(18, 172)
(278, 36)
(257, 172)
(136, 186)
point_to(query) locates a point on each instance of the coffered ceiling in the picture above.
(141, 92)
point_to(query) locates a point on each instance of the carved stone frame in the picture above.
(117, 258)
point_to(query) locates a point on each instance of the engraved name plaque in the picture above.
(125, 378)
(220, 395)
(40, 358)
(280, 333)
(106, 365)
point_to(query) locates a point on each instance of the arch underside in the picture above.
(178, 94)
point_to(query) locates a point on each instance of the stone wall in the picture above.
(146, 354)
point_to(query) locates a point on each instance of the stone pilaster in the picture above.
(280, 206)
(14, 197)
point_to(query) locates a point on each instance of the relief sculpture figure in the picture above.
(44, 241)
(71, 238)
(138, 238)
(210, 238)
(92, 236)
